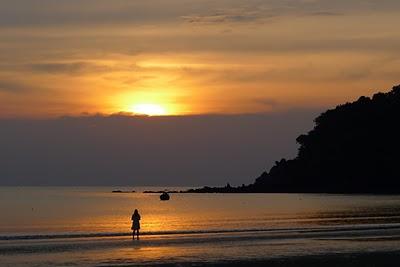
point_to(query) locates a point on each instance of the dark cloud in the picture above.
(238, 43)
(83, 12)
(123, 150)
(269, 102)
(325, 14)
(227, 16)
(69, 68)
(253, 14)
(104, 12)
(14, 86)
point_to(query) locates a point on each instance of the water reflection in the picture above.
(41, 210)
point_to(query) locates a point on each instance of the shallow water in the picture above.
(88, 226)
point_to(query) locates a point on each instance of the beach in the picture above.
(92, 228)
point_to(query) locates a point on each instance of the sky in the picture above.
(191, 58)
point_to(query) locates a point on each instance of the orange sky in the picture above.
(193, 57)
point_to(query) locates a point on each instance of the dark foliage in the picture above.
(354, 148)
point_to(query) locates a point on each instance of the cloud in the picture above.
(269, 102)
(69, 68)
(325, 14)
(84, 12)
(225, 16)
(14, 87)
(18, 13)
(252, 15)
(127, 150)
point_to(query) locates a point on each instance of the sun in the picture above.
(149, 109)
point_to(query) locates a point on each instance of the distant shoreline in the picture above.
(220, 190)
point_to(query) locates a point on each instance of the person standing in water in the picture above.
(135, 224)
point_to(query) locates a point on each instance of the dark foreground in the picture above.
(366, 245)
(343, 260)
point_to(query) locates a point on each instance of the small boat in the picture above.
(164, 196)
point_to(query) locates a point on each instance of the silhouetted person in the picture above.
(135, 224)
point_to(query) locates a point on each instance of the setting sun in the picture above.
(149, 109)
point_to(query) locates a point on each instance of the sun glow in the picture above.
(149, 109)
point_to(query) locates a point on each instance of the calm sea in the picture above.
(90, 226)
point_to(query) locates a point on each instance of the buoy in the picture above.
(164, 196)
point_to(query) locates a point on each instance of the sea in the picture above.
(90, 226)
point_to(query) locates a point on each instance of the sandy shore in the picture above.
(368, 259)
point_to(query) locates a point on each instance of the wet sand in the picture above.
(372, 259)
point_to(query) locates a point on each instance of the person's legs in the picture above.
(137, 233)
(133, 234)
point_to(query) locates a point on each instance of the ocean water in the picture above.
(90, 226)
